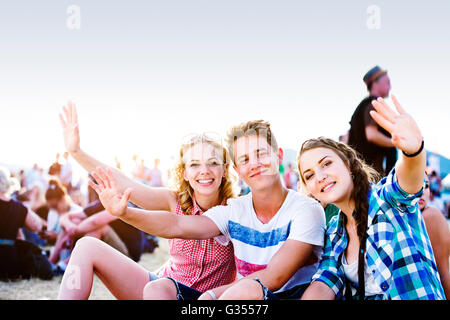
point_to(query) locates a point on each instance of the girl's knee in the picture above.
(245, 289)
(87, 247)
(87, 242)
(161, 289)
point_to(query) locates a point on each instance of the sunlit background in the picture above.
(143, 74)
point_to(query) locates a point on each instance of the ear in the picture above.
(184, 175)
(280, 156)
(225, 169)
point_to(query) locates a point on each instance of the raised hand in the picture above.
(113, 201)
(405, 133)
(69, 124)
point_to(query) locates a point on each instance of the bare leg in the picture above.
(161, 289)
(125, 278)
(245, 289)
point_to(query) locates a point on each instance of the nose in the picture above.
(321, 176)
(204, 168)
(254, 161)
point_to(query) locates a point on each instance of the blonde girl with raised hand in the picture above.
(203, 180)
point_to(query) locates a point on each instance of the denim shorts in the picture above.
(294, 293)
(183, 292)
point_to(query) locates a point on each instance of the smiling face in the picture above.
(204, 168)
(256, 161)
(326, 176)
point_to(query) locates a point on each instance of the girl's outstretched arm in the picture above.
(143, 196)
(160, 223)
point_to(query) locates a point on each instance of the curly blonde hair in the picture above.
(183, 188)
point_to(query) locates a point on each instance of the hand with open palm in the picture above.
(71, 131)
(113, 201)
(405, 133)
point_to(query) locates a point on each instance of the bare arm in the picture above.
(439, 233)
(407, 137)
(170, 225)
(94, 222)
(160, 223)
(292, 256)
(33, 222)
(143, 196)
(318, 290)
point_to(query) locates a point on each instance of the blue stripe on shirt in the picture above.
(256, 238)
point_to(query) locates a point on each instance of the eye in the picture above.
(193, 165)
(308, 176)
(243, 161)
(262, 153)
(327, 163)
(213, 163)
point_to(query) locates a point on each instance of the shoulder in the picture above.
(300, 199)
(302, 204)
(240, 202)
(306, 211)
(365, 104)
(433, 218)
(17, 206)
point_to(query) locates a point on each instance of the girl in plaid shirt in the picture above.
(203, 180)
(377, 247)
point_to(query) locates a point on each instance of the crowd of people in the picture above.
(351, 219)
(48, 213)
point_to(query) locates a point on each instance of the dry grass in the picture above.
(36, 289)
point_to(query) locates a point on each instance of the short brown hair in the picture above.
(259, 128)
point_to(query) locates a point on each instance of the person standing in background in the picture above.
(154, 175)
(370, 140)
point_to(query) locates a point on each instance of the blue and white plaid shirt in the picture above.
(398, 249)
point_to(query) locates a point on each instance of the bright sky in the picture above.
(143, 74)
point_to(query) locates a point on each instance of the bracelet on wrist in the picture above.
(212, 294)
(416, 153)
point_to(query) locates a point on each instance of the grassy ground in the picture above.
(36, 289)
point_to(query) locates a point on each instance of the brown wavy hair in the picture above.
(55, 190)
(362, 175)
(184, 189)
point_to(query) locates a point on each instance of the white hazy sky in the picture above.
(145, 73)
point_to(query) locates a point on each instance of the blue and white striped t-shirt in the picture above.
(255, 243)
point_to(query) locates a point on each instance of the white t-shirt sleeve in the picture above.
(220, 216)
(309, 225)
